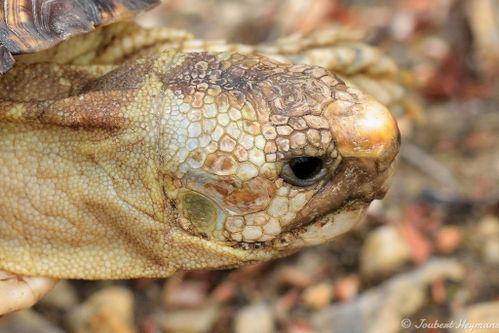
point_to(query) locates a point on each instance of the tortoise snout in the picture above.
(365, 130)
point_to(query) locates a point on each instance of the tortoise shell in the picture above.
(28, 26)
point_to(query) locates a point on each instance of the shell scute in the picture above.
(28, 26)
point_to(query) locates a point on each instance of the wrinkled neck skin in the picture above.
(174, 163)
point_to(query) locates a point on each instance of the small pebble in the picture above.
(490, 251)
(346, 288)
(487, 239)
(448, 239)
(308, 269)
(188, 294)
(384, 252)
(299, 326)
(254, 318)
(292, 275)
(318, 296)
(106, 311)
(488, 226)
(198, 320)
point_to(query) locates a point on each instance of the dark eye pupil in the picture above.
(305, 167)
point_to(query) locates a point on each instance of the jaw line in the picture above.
(326, 228)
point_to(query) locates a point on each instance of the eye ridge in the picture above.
(304, 170)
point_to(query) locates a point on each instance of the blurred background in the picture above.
(427, 254)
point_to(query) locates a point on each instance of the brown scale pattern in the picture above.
(289, 90)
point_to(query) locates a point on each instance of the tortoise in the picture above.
(128, 152)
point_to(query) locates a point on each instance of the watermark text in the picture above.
(462, 324)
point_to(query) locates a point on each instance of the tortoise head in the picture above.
(269, 157)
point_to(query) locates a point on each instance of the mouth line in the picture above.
(348, 213)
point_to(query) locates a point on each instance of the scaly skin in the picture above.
(180, 161)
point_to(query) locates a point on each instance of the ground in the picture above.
(427, 254)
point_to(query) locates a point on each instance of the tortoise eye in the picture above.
(303, 171)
